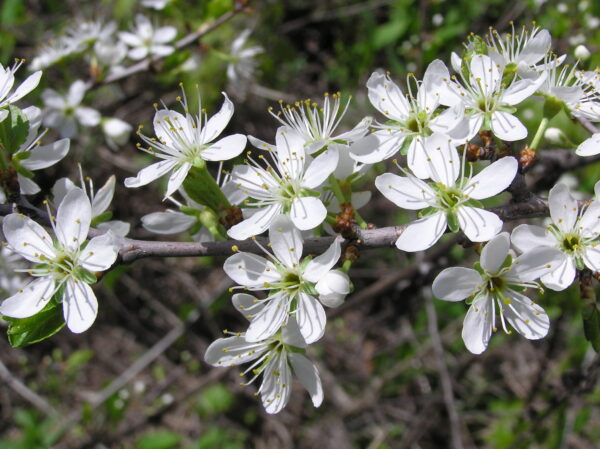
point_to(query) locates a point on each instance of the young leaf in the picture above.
(13, 130)
(26, 331)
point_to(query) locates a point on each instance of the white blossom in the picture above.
(488, 101)
(289, 280)
(411, 119)
(145, 40)
(316, 124)
(496, 289)
(184, 141)
(286, 185)
(64, 112)
(116, 132)
(65, 266)
(242, 63)
(277, 358)
(575, 233)
(451, 198)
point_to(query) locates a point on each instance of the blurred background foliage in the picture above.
(381, 375)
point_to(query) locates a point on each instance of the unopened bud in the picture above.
(581, 52)
(555, 136)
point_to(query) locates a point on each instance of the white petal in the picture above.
(416, 158)
(533, 264)
(291, 334)
(80, 306)
(61, 188)
(129, 38)
(591, 257)
(320, 168)
(493, 179)
(164, 34)
(217, 123)
(478, 324)
(320, 265)
(250, 270)
(176, 179)
(73, 219)
(290, 151)
(267, 321)
(479, 225)
(138, 53)
(27, 186)
(484, 74)
(150, 173)
(536, 48)
(308, 375)
(30, 299)
(456, 283)
(87, 116)
(387, 97)
(76, 93)
(526, 317)
(423, 233)
(520, 90)
(311, 318)
(233, 351)
(561, 277)
(103, 197)
(256, 224)
(376, 147)
(563, 208)
(27, 238)
(46, 155)
(307, 212)
(494, 253)
(286, 241)
(100, 253)
(404, 192)
(167, 222)
(225, 148)
(357, 132)
(526, 237)
(247, 305)
(25, 87)
(589, 147)
(117, 227)
(507, 127)
(276, 388)
(444, 162)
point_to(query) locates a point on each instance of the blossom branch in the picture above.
(145, 64)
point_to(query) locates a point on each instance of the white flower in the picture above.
(147, 41)
(411, 119)
(488, 100)
(116, 132)
(185, 141)
(316, 124)
(333, 288)
(451, 202)
(100, 201)
(110, 54)
(573, 232)
(242, 63)
(7, 80)
(10, 281)
(276, 358)
(85, 33)
(65, 111)
(65, 266)
(52, 52)
(497, 290)
(290, 281)
(285, 186)
(520, 52)
(40, 156)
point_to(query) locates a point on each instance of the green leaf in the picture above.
(104, 216)
(159, 440)
(202, 188)
(13, 130)
(26, 331)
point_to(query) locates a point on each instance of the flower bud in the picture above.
(555, 136)
(116, 132)
(581, 52)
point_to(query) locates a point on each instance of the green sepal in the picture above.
(304, 262)
(13, 130)
(295, 349)
(103, 217)
(84, 275)
(469, 300)
(309, 192)
(188, 210)
(405, 146)
(452, 221)
(309, 288)
(579, 263)
(427, 212)
(477, 266)
(552, 106)
(507, 262)
(203, 189)
(26, 331)
(21, 170)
